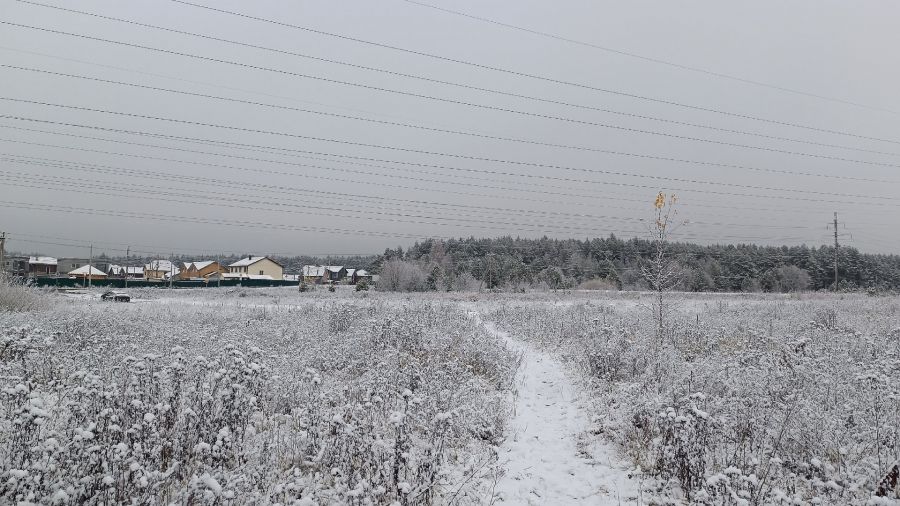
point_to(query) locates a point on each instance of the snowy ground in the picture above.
(590, 398)
(548, 457)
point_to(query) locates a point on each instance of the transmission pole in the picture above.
(2, 251)
(835, 252)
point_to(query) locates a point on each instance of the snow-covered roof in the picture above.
(261, 276)
(204, 264)
(160, 265)
(114, 269)
(87, 270)
(350, 272)
(42, 260)
(244, 262)
(314, 270)
(233, 275)
(134, 270)
(334, 268)
(363, 273)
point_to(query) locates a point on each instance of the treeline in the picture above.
(614, 263)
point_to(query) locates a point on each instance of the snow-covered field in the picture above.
(269, 396)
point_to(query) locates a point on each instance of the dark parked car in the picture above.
(116, 296)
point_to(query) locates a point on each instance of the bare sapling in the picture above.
(660, 271)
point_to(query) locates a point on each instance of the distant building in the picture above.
(69, 264)
(160, 269)
(133, 272)
(360, 275)
(200, 270)
(87, 272)
(314, 274)
(328, 274)
(42, 266)
(16, 266)
(256, 267)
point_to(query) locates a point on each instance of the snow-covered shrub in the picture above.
(17, 296)
(751, 400)
(349, 402)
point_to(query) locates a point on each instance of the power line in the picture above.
(458, 102)
(648, 58)
(42, 183)
(206, 221)
(250, 204)
(469, 157)
(453, 101)
(456, 132)
(273, 150)
(507, 71)
(180, 252)
(244, 146)
(106, 169)
(412, 76)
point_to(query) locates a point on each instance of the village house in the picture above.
(160, 269)
(359, 275)
(42, 266)
(333, 274)
(69, 264)
(133, 272)
(200, 270)
(313, 274)
(87, 272)
(256, 267)
(16, 266)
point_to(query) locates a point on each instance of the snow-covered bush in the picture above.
(751, 400)
(17, 296)
(344, 402)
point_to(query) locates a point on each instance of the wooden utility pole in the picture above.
(90, 266)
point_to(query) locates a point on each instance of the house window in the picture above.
(261, 273)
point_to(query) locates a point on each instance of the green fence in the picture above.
(140, 283)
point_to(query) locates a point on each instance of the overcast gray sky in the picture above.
(358, 185)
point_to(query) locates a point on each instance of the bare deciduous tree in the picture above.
(661, 272)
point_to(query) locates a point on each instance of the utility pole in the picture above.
(171, 269)
(2, 251)
(835, 252)
(90, 266)
(127, 250)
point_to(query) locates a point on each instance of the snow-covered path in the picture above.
(548, 456)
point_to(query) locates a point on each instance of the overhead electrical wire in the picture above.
(468, 157)
(450, 83)
(272, 150)
(456, 132)
(502, 70)
(464, 103)
(116, 213)
(660, 61)
(567, 191)
(350, 199)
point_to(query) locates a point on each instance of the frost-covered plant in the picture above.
(15, 295)
(758, 400)
(246, 402)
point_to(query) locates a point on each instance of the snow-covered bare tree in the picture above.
(660, 271)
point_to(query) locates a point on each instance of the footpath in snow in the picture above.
(548, 457)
